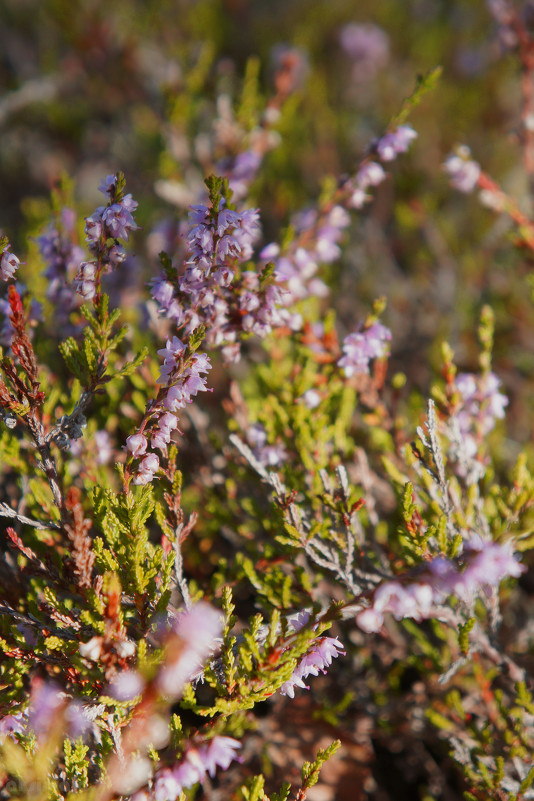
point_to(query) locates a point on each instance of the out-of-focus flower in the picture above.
(395, 142)
(47, 703)
(370, 174)
(485, 565)
(197, 762)
(104, 450)
(267, 455)
(126, 685)
(368, 47)
(196, 632)
(311, 399)
(463, 172)
(359, 348)
(488, 564)
(12, 724)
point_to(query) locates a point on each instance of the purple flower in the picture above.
(316, 660)
(166, 786)
(488, 564)
(359, 348)
(463, 172)
(84, 282)
(368, 47)
(146, 470)
(107, 187)
(46, 702)
(126, 686)
(12, 724)
(9, 264)
(481, 404)
(119, 221)
(395, 142)
(103, 447)
(370, 620)
(147, 467)
(198, 629)
(370, 174)
(220, 753)
(197, 762)
(93, 226)
(136, 444)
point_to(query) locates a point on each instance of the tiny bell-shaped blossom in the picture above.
(146, 470)
(137, 445)
(317, 660)
(9, 264)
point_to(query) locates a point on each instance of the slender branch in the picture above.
(7, 511)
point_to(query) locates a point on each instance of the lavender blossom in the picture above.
(316, 660)
(463, 172)
(126, 686)
(368, 47)
(146, 470)
(370, 174)
(63, 257)
(137, 444)
(9, 264)
(361, 347)
(485, 565)
(47, 702)
(395, 142)
(481, 405)
(197, 631)
(12, 724)
(197, 762)
(102, 229)
(267, 455)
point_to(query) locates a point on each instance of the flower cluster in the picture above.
(267, 455)
(371, 173)
(297, 266)
(48, 706)
(485, 565)
(315, 661)
(480, 406)
(181, 380)
(361, 347)
(318, 233)
(169, 783)
(63, 257)
(103, 228)
(463, 172)
(212, 293)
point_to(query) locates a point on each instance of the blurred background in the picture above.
(89, 88)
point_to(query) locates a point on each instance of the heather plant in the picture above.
(254, 535)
